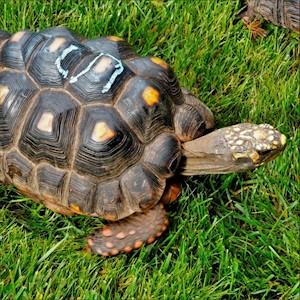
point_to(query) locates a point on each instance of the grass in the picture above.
(231, 236)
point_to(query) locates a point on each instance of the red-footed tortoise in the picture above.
(285, 13)
(89, 127)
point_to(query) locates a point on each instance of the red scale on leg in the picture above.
(130, 233)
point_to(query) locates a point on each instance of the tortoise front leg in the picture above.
(130, 233)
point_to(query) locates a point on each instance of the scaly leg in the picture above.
(130, 233)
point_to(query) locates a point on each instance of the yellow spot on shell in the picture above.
(3, 93)
(151, 96)
(114, 38)
(102, 132)
(160, 62)
(17, 36)
(75, 208)
(45, 123)
(56, 44)
(103, 64)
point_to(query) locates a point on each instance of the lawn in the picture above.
(230, 236)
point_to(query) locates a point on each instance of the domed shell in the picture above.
(89, 126)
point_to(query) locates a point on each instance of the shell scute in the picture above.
(108, 158)
(51, 182)
(16, 93)
(99, 78)
(52, 144)
(53, 62)
(146, 108)
(18, 49)
(158, 70)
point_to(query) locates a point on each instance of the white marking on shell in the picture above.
(236, 129)
(45, 122)
(63, 55)
(271, 138)
(239, 142)
(75, 78)
(119, 68)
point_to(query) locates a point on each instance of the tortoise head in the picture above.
(236, 148)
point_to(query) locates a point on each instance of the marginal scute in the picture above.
(4, 35)
(51, 182)
(80, 194)
(195, 127)
(114, 38)
(141, 187)
(163, 154)
(160, 62)
(17, 168)
(109, 203)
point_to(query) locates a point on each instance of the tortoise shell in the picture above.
(281, 13)
(90, 127)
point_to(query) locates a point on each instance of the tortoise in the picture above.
(89, 127)
(281, 13)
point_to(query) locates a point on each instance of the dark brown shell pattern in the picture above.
(88, 126)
